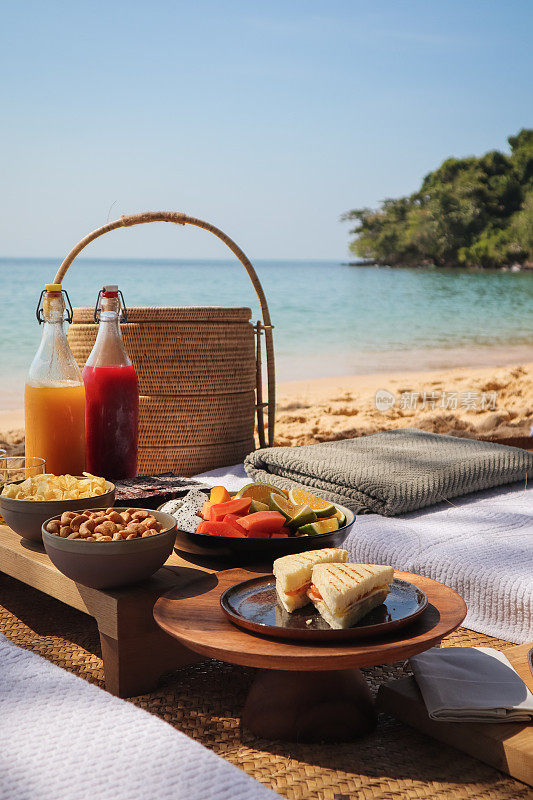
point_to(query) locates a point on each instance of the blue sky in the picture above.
(268, 119)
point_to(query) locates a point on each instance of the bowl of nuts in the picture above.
(109, 547)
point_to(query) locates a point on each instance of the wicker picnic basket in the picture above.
(199, 369)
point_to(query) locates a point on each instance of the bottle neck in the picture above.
(54, 335)
(54, 363)
(54, 329)
(109, 325)
(53, 308)
(108, 348)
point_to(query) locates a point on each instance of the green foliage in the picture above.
(521, 228)
(470, 211)
(522, 155)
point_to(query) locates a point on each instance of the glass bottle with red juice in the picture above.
(111, 395)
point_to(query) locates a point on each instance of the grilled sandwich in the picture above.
(293, 574)
(344, 593)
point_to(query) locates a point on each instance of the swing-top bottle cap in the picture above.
(52, 287)
(110, 291)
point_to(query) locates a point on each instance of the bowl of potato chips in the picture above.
(26, 504)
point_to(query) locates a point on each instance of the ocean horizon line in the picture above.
(261, 261)
(198, 259)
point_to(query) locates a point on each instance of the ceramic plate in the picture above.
(253, 605)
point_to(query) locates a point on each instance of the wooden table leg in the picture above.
(133, 666)
(330, 706)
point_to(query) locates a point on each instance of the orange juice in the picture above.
(55, 395)
(55, 427)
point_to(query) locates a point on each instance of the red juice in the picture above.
(112, 419)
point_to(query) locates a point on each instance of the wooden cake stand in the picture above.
(303, 691)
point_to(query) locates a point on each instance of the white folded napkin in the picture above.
(471, 684)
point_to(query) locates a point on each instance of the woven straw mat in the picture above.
(204, 701)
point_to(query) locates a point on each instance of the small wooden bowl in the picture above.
(103, 565)
(26, 517)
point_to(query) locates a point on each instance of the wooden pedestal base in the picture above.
(313, 691)
(330, 706)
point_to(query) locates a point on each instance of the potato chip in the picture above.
(56, 487)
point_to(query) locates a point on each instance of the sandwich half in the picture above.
(293, 574)
(344, 593)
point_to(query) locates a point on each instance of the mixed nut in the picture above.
(105, 526)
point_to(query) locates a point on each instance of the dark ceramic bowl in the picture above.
(26, 517)
(224, 546)
(103, 565)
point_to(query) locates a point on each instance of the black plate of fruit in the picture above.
(260, 518)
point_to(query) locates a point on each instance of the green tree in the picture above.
(469, 211)
(521, 228)
(522, 155)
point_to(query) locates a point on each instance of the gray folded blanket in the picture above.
(392, 472)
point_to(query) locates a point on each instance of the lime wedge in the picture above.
(322, 508)
(303, 516)
(278, 502)
(320, 526)
(341, 517)
(294, 516)
(256, 505)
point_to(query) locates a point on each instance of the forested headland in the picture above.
(474, 211)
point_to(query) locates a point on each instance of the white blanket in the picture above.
(64, 739)
(233, 478)
(481, 546)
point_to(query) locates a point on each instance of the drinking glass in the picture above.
(17, 468)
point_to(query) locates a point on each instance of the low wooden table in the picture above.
(135, 651)
(303, 691)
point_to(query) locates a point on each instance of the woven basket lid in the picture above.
(139, 314)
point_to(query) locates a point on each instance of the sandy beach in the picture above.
(470, 402)
(477, 403)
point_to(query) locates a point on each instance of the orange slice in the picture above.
(301, 497)
(259, 491)
(338, 516)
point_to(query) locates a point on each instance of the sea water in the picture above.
(329, 318)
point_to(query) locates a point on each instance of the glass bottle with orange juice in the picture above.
(54, 397)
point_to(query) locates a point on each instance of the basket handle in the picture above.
(179, 218)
